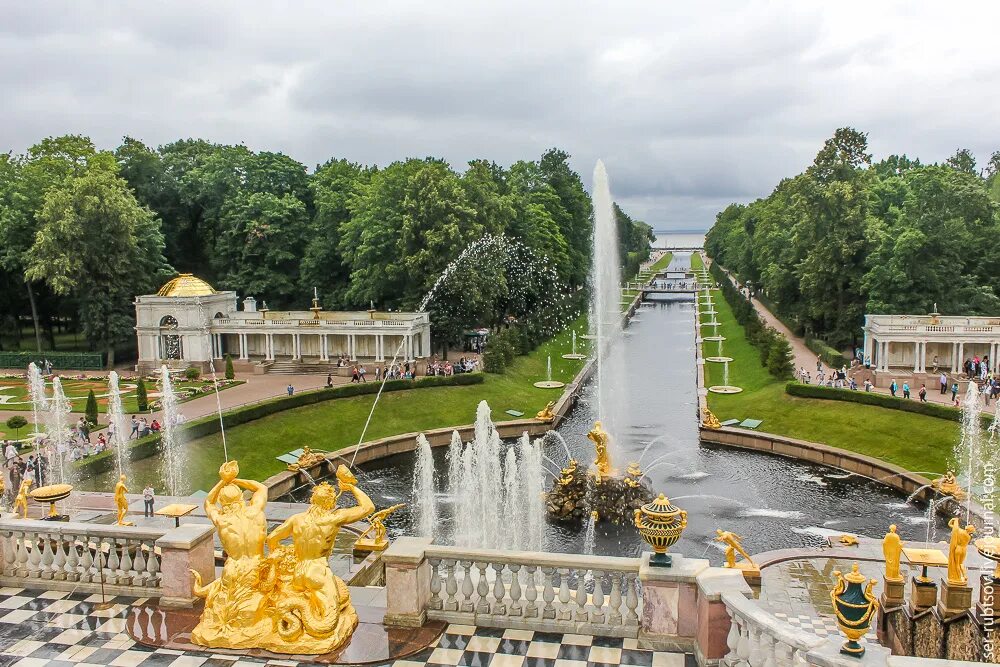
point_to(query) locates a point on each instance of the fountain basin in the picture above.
(714, 338)
(724, 389)
(719, 360)
(550, 384)
(713, 323)
(574, 356)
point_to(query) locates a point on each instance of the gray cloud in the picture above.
(690, 107)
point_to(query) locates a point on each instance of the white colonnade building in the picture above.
(909, 343)
(187, 323)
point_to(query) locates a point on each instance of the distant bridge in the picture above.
(693, 248)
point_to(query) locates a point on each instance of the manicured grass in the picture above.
(76, 391)
(662, 263)
(337, 424)
(916, 442)
(10, 434)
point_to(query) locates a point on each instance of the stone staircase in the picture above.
(296, 367)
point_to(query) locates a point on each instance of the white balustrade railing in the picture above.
(43, 552)
(528, 590)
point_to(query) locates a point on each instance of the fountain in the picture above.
(170, 445)
(117, 425)
(58, 437)
(590, 536)
(39, 404)
(725, 387)
(574, 354)
(548, 382)
(424, 489)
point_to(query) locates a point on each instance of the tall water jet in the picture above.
(39, 403)
(969, 450)
(590, 536)
(117, 424)
(170, 446)
(57, 431)
(532, 491)
(605, 312)
(513, 508)
(424, 490)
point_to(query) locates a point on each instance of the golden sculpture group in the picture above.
(287, 600)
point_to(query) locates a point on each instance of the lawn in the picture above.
(916, 442)
(14, 392)
(662, 263)
(338, 423)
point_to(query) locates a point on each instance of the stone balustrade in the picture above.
(119, 560)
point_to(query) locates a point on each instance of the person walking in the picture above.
(892, 388)
(923, 393)
(819, 364)
(290, 389)
(954, 393)
(329, 380)
(362, 372)
(355, 377)
(135, 429)
(944, 383)
(906, 390)
(147, 500)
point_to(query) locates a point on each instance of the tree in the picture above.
(90, 411)
(230, 373)
(779, 358)
(17, 422)
(96, 243)
(963, 160)
(141, 397)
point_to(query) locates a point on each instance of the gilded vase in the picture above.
(854, 605)
(660, 524)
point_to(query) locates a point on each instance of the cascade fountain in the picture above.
(117, 425)
(725, 387)
(548, 382)
(57, 431)
(170, 445)
(39, 404)
(574, 354)
(424, 489)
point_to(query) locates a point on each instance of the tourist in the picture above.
(854, 384)
(290, 389)
(954, 393)
(354, 375)
(329, 380)
(923, 393)
(892, 388)
(378, 373)
(944, 383)
(155, 426)
(135, 428)
(868, 385)
(147, 500)
(9, 451)
(934, 368)
(362, 372)
(819, 364)
(102, 443)
(906, 389)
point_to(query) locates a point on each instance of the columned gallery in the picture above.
(911, 342)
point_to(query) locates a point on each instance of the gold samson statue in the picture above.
(600, 438)
(287, 601)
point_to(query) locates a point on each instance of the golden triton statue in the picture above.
(121, 502)
(892, 547)
(733, 547)
(289, 601)
(21, 500)
(709, 420)
(948, 485)
(600, 438)
(373, 538)
(546, 414)
(957, 548)
(306, 459)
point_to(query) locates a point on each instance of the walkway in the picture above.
(806, 358)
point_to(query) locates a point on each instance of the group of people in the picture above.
(835, 378)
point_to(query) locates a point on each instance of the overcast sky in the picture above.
(691, 107)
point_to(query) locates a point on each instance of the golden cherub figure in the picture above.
(600, 438)
(121, 502)
(848, 540)
(709, 420)
(948, 485)
(21, 500)
(733, 547)
(306, 459)
(892, 547)
(373, 538)
(957, 550)
(546, 414)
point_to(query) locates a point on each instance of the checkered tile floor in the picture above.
(822, 626)
(51, 628)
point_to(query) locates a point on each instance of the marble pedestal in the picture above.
(955, 598)
(894, 593)
(923, 594)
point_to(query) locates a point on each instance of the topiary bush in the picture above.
(141, 398)
(192, 373)
(827, 354)
(230, 373)
(90, 411)
(17, 422)
(779, 358)
(494, 360)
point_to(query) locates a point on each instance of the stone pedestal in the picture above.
(955, 598)
(670, 603)
(407, 582)
(894, 593)
(713, 619)
(923, 594)
(182, 549)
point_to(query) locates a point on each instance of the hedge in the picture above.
(61, 361)
(881, 400)
(829, 356)
(209, 424)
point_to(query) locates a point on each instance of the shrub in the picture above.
(230, 373)
(827, 354)
(494, 360)
(17, 422)
(90, 411)
(141, 399)
(779, 358)
(192, 373)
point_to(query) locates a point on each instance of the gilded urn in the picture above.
(660, 524)
(854, 605)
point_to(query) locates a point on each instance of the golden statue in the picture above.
(948, 485)
(709, 420)
(307, 458)
(21, 500)
(568, 473)
(957, 548)
(546, 414)
(600, 438)
(289, 601)
(376, 541)
(848, 540)
(121, 502)
(733, 547)
(633, 475)
(892, 547)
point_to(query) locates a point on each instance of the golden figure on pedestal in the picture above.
(948, 485)
(734, 546)
(288, 601)
(708, 419)
(892, 547)
(957, 550)
(546, 414)
(121, 502)
(21, 500)
(600, 438)
(373, 538)
(306, 459)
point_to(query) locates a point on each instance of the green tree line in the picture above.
(82, 231)
(850, 236)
